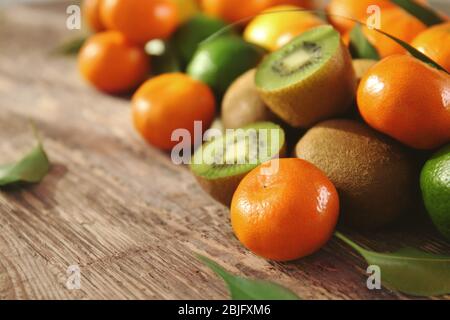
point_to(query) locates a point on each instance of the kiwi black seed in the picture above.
(308, 80)
(221, 164)
(375, 176)
(242, 104)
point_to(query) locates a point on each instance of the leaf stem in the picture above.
(350, 242)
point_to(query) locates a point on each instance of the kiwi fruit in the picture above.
(220, 165)
(361, 66)
(242, 104)
(375, 176)
(308, 80)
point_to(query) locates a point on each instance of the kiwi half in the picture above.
(375, 176)
(221, 164)
(242, 104)
(308, 80)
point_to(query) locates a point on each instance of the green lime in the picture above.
(435, 184)
(191, 33)
(219, 61)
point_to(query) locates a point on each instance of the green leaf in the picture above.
(409, 270)
(246, 289)
(421, 12)
(32, 168)
(361, 47)
(71, 46)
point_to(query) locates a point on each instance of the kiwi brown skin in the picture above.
(376, 177)
(324, 95)
(361, 66)
(242, 104)
(222, 190)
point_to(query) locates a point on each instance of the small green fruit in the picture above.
(435, 184)
(218, 62)
(191, 33)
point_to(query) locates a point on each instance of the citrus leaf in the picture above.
(71, 46)
(32, 168)
(361, 47)
(428, 16)
(246, 289)
(409, 270)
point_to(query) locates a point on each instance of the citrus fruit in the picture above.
(272, 30)
(355, 9)
(285, 209)
(91, 14)
(169, 102)
(218, 62)
(398, 23)
(435, 184)
(191, 33)
(140, 21)
(186, 9)
(435, 43)
(111, 63)
(235, 10)
(407, 100)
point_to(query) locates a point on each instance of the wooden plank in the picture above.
(119, 208)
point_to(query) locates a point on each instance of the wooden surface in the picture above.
(120, 209)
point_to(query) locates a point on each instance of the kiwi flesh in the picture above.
(375, 176)
(308, 80)
(220, 165)
(242, 104)
(361, 66)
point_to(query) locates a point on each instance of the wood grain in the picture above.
(119, 208)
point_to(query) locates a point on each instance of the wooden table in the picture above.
(119, 208)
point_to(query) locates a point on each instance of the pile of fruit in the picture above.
(356, 137)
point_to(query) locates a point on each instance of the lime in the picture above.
(435, 184)
(189, 35)
(219, 61)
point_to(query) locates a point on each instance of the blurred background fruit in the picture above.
(398, 23)
(235, 10)
(191, 33)
(187, 9)
(435, 184)
(111, 63)
(220, 61)
(355, 9)
(91, 14)
(287, 212)
(408, 100)
(435, 43)
(273, 30)
(141, 21)
(169, 102)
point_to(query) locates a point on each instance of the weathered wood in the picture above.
(119, 208)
